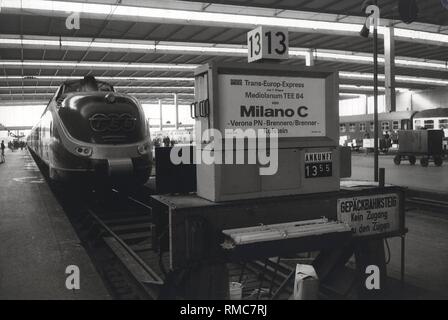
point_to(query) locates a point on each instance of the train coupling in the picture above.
(117, 167)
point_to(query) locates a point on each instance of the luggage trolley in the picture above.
(426, 144)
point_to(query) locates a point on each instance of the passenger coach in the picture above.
(354, 129)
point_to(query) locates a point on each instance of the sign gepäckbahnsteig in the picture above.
(369, 215)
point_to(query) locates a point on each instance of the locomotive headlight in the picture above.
(144, 148)
(84, 151)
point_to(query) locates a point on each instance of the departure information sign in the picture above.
(369, 215)
(294, 106)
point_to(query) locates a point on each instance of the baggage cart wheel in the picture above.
(412, 160)
(438, 161)
(397, 160)
(424, 162)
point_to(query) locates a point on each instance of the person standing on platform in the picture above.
(2, 158)
(366, 136)
(387, 140)
(166, 141)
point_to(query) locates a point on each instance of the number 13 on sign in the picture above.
(267, 43)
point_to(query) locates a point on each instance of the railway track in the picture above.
(120, 240)
(127, 239)
(117, 231)
(424, 202)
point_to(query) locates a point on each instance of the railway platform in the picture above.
(37, 241)
(430, 179)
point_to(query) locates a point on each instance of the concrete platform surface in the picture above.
(37, 241)
(431, 178)
(426, 256)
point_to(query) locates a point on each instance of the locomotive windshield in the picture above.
(88, 84)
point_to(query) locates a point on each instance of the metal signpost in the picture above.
(373, 16)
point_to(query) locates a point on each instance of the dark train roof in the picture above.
(89, 80)
(432, 113)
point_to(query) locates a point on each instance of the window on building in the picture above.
(385, 126)
(395, 125)
(417, 124)
(429, 124)
(362, 127)
(443, 123)
(352, 127)
(342, 127)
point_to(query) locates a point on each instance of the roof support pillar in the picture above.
(309, 58)
(366, 104)
(176, 106)
(389, 69)
(160, 115)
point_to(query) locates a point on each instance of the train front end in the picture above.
(102, 136)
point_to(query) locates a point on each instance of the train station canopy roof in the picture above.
(150, 48)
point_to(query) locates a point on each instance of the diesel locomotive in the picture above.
(90, 133)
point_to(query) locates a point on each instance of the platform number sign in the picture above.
(267, 43)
